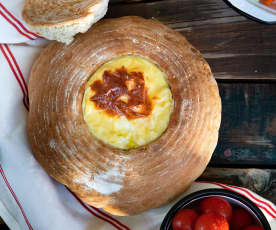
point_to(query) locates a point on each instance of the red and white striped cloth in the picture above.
(13, 29)
(29, 198)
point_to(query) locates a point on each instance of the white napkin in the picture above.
(29, 198)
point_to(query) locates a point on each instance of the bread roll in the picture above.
(123, 179)
(61, 20)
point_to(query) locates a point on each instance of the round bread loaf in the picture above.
(127, 180)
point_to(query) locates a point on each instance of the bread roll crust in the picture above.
(122, 182)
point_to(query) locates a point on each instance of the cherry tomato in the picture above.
(184, 220)
(240, 219)
(211, 221)
(217, 205)
(253, 227)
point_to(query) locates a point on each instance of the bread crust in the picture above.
(123, 182)
(62, 20)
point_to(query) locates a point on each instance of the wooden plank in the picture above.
(235, 47)
(248, 127)
(261, 181)
(173, 12)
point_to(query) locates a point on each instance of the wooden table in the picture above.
(242, 55)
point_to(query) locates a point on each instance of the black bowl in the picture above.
(232, 197)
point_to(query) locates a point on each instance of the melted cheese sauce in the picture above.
(118, 131)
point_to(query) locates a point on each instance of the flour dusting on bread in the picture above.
(106, 182)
